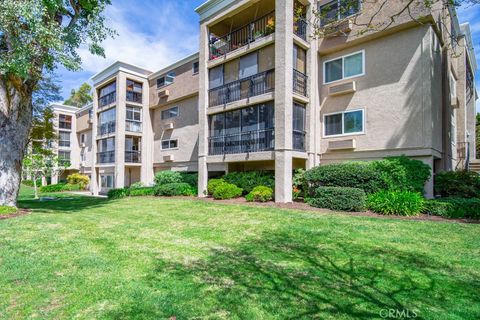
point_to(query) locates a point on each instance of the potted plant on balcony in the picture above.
(270, 27)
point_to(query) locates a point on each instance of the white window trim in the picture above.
(343, 124)
(140, 111)
(166, 119)
(343, 67)
(169, 140)
(168, 74)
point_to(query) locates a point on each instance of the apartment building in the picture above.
(263, 93)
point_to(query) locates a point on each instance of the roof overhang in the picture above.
(117, 67)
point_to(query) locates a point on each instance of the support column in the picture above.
(93, 175)
(283, 100)
(146, 171)
(429, 187)
(120, 131)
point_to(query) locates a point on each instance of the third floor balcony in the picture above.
(106, 128)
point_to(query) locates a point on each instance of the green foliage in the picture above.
(5, 210)
(175, 189)
(190, 178)
(142, 192)
(29, 183)
(437, 208)
(461, 184)
(80, 97)
(338, 198)
(299, 184)
(402, 203)
(118, 193)
(227, 191)
(462, 208)
(260, 194)
(250, 179)
(137, 185)
(60, 187)
(81, 180)
(167, 176)
(213, 185)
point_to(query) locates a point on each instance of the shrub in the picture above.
(437, 208)
(361, 175)
(260, 194)
(250, 179)
(402, 203)
(142, 192)
(299, 184)
(175, 189)
(137, 185)
(462, 208)
(213, 185)
(227, 191)
(79, 179)
(338, 198)
(60, 187)
(461, 184)
(118, 193)
(167, 176)
(190, 178)
(4, 210)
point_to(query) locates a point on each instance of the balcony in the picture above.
(299, 140)
(300, 28)
(134, 97)
(255, 85)
(260, 28)
(107, 99)
(65, 125)
(133, 126)
(133, 157)
(106, 157)
(106, 128)
(253, 141)
(300, 83)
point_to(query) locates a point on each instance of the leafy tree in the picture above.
(36, 36)
(80, 97)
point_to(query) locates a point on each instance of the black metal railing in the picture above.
(134, 97)
(242, 89)
(253, 141)
(106, 157)
(133, 126)
(299, 140)
(300, 28)
(133, 157)
(106, 128)
(107, 99)
(65, 125)
(300, 83)
(242, 36)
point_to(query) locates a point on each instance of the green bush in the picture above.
(4, 210)
(437, 208)
(402, 203)
(461, 184)
(167, 176)
(175, 189)
(250, 179)
(190, 178)
(142, 192)
(213, 185)
(299, 184)
(227, 191)
(60, 187)
(338, 198)
(260, 194)
(137, 185)
(78, 179)
(118, 193)
(462, 208)
(29, 183)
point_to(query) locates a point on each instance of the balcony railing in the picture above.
(242, 36)
(65, 125)
(299, 140)
(106, 157)
(300, 83)
(133, 126)
(253, 141)
(107, 99)
(133, 157)
(242, 89)
(300, 28)
(134, 97)
(106, 128)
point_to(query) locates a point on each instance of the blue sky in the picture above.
(156, 33)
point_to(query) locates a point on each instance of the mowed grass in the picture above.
(147, 258)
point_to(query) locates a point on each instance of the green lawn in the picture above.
(147, 258)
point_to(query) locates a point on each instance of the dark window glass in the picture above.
(333, 124)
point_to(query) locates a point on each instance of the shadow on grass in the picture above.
(302, 277)
(64, 203)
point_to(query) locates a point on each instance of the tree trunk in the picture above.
(15, 121)
(35, 189)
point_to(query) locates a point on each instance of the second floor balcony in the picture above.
(106, 128)
(133, 156)
(133, 126)
(106, 157)
(245, 142)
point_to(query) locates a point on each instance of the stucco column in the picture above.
(283, 100)
(120, 131)
(429, 187)
(146, 171)
(54, 178)
(202, 113)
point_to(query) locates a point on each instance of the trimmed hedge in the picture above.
(338, 198)
(250, 179)
(461, 184)
(190, 178)
(213, 184)
(167, 176)
(437, 208)
(402, 203)
(78, 179)
(60, 187)
(118, 193)
(260, 194)
(142, 192)
(227, 191)
(460, 208)
(175, 189)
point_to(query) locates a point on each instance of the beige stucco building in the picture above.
(265, 93)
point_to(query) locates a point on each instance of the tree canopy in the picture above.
(80, 97)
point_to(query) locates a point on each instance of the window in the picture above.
(338, 10)
(82, 138)
(106, 145)
(298, 118)
(107, 116)
(344, 123)
(166, 80)
(134, 114)
(345, 67)
(134, 91)
(107, 94)
(299, 59)
(83, 156)
(216, 77)
(64, 158)
(170, 113)
(248, 65)
(169, 144)
(64, 139)
(107, 181)
(90, 114)
(196, 67)
(65, 122)
(108, 89)
(453, 86)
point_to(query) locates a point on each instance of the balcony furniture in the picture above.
(246, 142)
(106, 157)
(300, 83)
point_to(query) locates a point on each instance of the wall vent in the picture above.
(163, 94)
(169, 126)
(168, 158)
(342, 144)
(343, 88)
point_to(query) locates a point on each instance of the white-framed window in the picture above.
(453, 85)
(107, 181)
(196, 67)
(134, 114)
(344, 67)
(169, 144)
(64, 139)
(350, 122)
(169, 78)
(337, 10)
(170, 113)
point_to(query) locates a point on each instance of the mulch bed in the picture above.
(19, 213)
